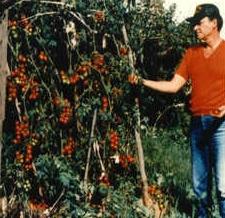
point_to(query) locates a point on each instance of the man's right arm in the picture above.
(172, 86)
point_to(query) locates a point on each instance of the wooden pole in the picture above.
(4, 72)
(90, 148)
(146, 199)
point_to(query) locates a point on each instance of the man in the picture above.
(204, 66)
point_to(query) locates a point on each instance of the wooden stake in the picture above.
(4, 72)
(90, 148)
(146, 199)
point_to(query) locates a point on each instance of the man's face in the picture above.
(204, 28)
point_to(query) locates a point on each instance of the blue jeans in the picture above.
(208, 159)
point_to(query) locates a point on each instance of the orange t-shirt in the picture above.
(207, 77)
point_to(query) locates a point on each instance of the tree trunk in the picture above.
(4, 71)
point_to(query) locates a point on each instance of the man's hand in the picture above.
(134, 79)
(220, 112)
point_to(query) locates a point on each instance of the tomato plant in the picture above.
(67, 60)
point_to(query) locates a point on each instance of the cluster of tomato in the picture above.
(23, 23)
(12, 91)
(123, 51)
(133, 79)
(66, 113)
(25, 160)
(64, 77)
(69, 147)
(125, 160)
(22, 130)
(98, 62)
(105, 103)
(34, 139)
(28, 157)
(26, 24)
(12, 24)
(104, 179)
(56, 101)
(114, 140)
(98, 59)
(19, 79)
(79, 74)
(37, 207)
(117, 92)
(25, 185)
(34, 90)
(99, 16)
(158, 196)
(19, 157)
(83, 69)
(42, 56)
(73, 79)
(19, 73)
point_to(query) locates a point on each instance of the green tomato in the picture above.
(102, 190)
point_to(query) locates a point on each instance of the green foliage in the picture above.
(124, 202)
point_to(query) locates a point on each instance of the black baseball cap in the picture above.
(204, 10)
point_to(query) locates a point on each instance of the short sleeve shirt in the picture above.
(207, 76)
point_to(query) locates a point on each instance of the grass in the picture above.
(167, 162)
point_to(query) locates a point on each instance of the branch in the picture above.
(48, 211)
(116, 44)
(5, 4)
(81, 20)
(75, 15)
(130, 53)
(39, 15)
(43, 2)
(166, 52)
(163, 112)
(96, 150)
(17, 104)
